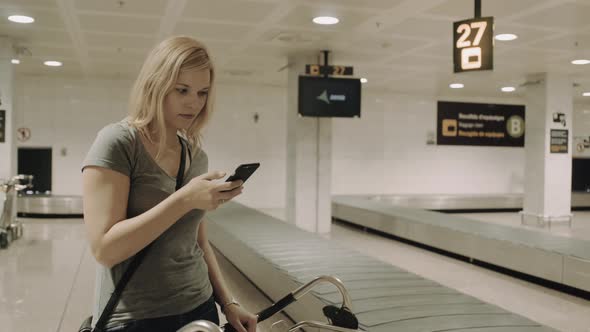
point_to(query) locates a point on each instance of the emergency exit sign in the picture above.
(473, 44)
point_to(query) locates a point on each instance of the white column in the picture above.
(547, 188)
(8, 147)
(309, 160)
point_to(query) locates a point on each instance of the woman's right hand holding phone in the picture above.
(204, 193)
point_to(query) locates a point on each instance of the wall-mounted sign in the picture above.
(23, 134)
(2, 125)
(559, 141)
(480, 124)
(473, 44)
(330, 70)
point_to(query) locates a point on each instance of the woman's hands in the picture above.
(240, 319)
(205, 194)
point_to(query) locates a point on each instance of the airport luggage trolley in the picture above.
(10, 228)
(339, 319)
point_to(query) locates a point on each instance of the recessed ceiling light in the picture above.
(364, 80)
(508, 89)
(325, 20)
(53, 63)
(456, 85)
(581, 62)
(15, 61)
(586, 94)
(506, 36)
(21, 19)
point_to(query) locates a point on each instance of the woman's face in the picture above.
(187, 99)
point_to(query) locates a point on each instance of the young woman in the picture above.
(129, 180)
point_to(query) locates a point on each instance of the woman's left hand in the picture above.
(240, 319)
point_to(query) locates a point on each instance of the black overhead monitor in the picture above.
(329, 97)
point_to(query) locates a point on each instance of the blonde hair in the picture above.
(157, 78)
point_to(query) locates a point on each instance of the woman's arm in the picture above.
(113, 237)
(235, 314)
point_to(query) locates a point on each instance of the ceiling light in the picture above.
(508, 89)
(15, 61)
(21, 19)
(456, 85)
(581, 62)
(586, 94)
(506, 36)
(364, 80)
(325, 20)
(53, 63)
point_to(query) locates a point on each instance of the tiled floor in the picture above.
(47, 278)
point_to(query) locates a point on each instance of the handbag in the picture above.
(108, 310)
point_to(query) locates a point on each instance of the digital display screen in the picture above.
(329, 97)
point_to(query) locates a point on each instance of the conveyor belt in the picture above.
(470, 202)
(561, 260)
(49, 206)
(278, 258)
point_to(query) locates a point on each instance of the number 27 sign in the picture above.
(473, 44)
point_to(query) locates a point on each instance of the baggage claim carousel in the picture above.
(426, 221)
(49, 206)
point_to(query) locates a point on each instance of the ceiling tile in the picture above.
(118, 41)
(29, 3)
(372, 4)
(71, 68)
(212, 30)
(423, 28)
(228, 10)
(464, 9)
(119, 24)
(302, 17)
(384, 43)
(53, 52)
(43, 18)
(565, 42)
(31, 34)
(566, 16)
(151, 7)
(113, 55)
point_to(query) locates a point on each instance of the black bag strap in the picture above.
(108, 309)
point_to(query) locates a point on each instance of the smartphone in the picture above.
(243, 172)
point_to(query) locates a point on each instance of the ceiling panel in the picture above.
(212, 30)
(423, 60)
(525, 34)
(302, 16)
(383, 43)
(118, 41)
(423, 28)
(565, 16)
(43, 18)
(118, 55)
(38, 68)
(228, 10)
(29, 34)
(464, 9)
(131, 7)
(295, 37)
(565, 42)
(372, 4)
(267, 49)
(257, 63)
(53, 52)
(29, 3)
(119, 24)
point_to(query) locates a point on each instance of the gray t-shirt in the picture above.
(173, 277)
